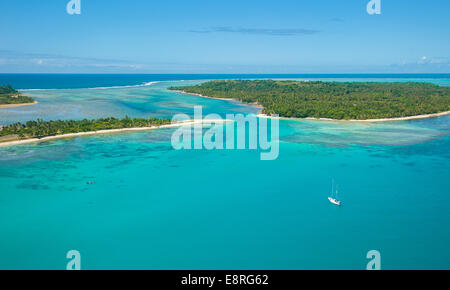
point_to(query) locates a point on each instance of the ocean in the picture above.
(154, 207)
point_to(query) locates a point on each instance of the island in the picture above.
(360, 101)
(38, 131)
(10, 97)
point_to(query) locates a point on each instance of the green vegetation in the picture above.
(336, 100)
(40, 128)
(9, 96)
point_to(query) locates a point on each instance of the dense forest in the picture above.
(336, 100)
(9, 96)
(40, 128)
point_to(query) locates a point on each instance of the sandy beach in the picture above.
(17, 105)
(72, 135)
(366, 120)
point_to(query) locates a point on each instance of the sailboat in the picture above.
(333, 198)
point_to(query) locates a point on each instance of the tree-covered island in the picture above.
(10, 96)
(335, 100)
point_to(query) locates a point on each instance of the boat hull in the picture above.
(334, 201)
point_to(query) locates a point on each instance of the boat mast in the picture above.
(332, 187)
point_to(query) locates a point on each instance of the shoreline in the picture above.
(256, 105)
(17, 105)
(260, 115)
(108, 131)
(425, 116)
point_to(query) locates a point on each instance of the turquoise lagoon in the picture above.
(153, 207)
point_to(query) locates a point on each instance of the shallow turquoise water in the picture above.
(154, 207)
(137, 101)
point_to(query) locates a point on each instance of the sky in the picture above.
(232, 36)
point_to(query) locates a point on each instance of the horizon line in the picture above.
(128, 73)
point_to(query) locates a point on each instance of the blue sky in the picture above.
(245, 36)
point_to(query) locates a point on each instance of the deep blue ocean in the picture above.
(75, 81)
(154, 207)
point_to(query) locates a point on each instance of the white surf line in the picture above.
(146, 84)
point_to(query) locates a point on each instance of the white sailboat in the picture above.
(333, 198)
